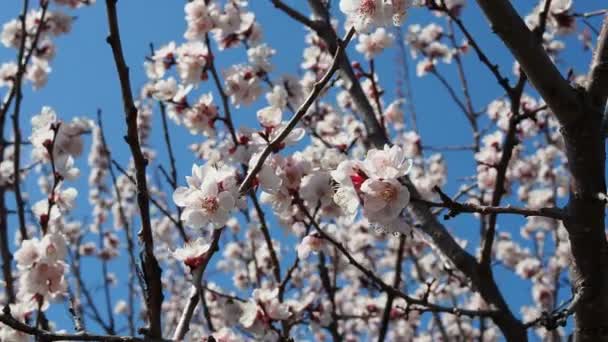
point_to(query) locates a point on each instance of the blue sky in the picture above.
(83, 79)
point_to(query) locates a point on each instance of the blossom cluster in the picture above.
(300, 242)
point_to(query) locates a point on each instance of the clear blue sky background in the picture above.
(84, 79)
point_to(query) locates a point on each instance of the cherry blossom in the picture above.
(193, 253)
(209, 197)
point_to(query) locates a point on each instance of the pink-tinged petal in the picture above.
(181, 195)
(347, 199)
(226, 200)
(270, 117)
(295, 135)
(303, 250)
(269, 181)
(209, 188)
(194, 218)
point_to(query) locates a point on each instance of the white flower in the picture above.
(193, 254)
(316, 187)
(528, 267)
(200, 118)
(209, 197)
(310, 243)
(259, 312)
(373, 44)
(11, 34)
(121, 307)
(242, 84)
(192, 58)
(270, 117)
(199, 19)
(28, 253)
(62, 200)
(389, 163)
(394, 114)
(162, 59)
(53, 247)
(364, 14)
(277, 97)
(165, 90)
(38, 72)
(383, 200)
(350, 175)
(259, 57)
(8, 71)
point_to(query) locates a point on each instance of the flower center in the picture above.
(388, 193)
(367, 7)
(210, 204)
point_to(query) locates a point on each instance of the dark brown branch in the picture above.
(386, 315)
(151, 269)
(218, 84)
(483, 58)
(456, 208)
(276, 265)
(470, 112)
(47, 336)
(173, 178)
(508, 146)
(121, 209)
(452, 93)
(154, 202)
(597, 87)
(331, 294)
(557, 318)
(375, 132)
(22, 61)
(294, 14)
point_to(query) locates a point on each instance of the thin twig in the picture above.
(277, 141)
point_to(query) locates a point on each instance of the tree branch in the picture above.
(184, 322)
(597, 88)
(316, 91)
(456, 208)
(390, 290)
(47, 336)
(151, 269)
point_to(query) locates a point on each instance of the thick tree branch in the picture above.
(293, 13)
(375, 132)
(151, 269)
(597, 87)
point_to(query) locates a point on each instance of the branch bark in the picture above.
(597, 87)
(150, 267)
(580, 113)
